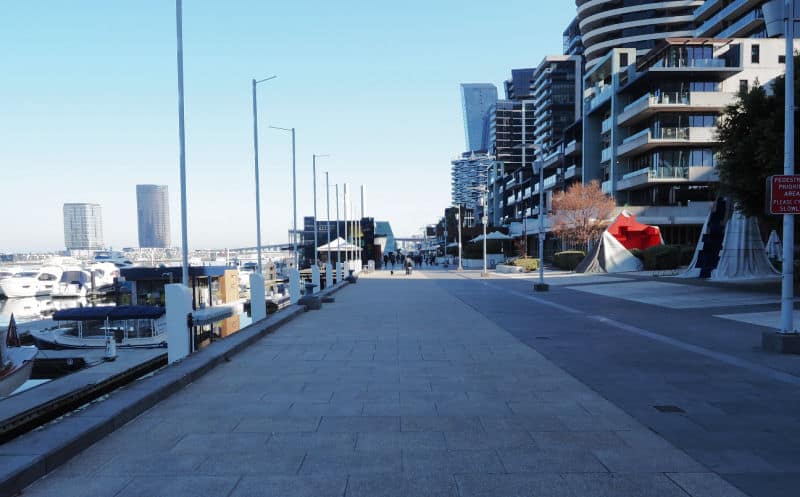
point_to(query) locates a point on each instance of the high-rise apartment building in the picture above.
(637, 24)
(476, 101)
(152, 209)
(730, 19)
(469, 173)
(83, 227)
(649, 128)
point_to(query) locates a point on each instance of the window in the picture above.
(781, 59)
(623, 60)
(743, 85)
(755, 53)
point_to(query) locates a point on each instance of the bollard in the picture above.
(314, 278)
(294, 285)
(328, 275)
(258, 301)
(340, 271)
(311, 301)
(179, 305)
(351, 278)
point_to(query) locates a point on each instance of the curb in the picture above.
(31, 456)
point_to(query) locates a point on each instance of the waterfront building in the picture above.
(476, 100)
(152, 209)
(730, 19)
(83, 226)
(649, 127)
(636, 24)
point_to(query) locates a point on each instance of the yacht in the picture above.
(104, 274)
(74, 283)
(31, 283)
(116, 258)
(7, 272)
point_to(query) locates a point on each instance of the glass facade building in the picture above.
(152, 209)
(83, 227)
(476, 100)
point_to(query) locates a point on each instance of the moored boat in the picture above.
(130, 326)
(31, 283)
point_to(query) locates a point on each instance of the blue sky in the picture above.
(88, 102)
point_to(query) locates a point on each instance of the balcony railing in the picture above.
(672, 134)
(663, 172)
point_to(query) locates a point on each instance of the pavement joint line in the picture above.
(719, 356)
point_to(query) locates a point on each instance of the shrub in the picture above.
(662, 257)
(637, 253)
(568, 260)
(527, 263)
(687, 253)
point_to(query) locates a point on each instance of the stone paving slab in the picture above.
(423, 396)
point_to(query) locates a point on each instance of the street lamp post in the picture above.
(328, 213)
(787, 281)
(314, 172)
(294, 194)
(541, 286)
(485, 219)
(258, 181)
(458, 218)
(338, 246)
(182, 144)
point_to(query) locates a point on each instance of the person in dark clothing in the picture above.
(385, 261)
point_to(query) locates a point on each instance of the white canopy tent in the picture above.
(338, 245)
(494, 235)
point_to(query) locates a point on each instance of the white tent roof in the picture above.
(494, 235)
(338, 244)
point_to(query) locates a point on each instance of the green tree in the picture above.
(750, 132)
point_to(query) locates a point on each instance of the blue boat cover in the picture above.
(113, 313)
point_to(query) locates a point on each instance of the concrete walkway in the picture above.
(396, 389)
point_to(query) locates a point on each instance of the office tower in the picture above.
(152, 209)
(83, 227)
(476, 100)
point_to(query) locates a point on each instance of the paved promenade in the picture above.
(399, 388)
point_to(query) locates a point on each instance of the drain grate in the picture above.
(668, 409)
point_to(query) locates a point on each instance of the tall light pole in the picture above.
(541, 286)
(314, 172)
(485, 219)
(338, 246)
(258, 181)
(182, 141)
(787, 279)
(458, 218)
(294, 193)
(328, 213)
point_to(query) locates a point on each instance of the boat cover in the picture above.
(113, 313)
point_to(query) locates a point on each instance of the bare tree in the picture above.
(580, 214)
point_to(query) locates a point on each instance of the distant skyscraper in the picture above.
(83, 227)
(152, 208)
(476, 100)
